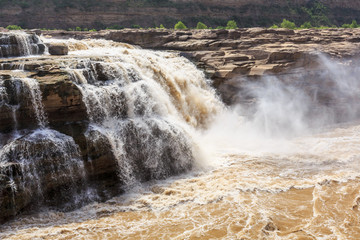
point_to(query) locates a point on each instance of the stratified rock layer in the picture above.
(229, 54)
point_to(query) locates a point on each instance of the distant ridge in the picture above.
(64, 14)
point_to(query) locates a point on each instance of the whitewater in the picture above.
(277, 169)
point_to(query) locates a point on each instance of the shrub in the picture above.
(346, 25)
(306, 25)
(135, 26)
(274, 26)
(92, 30)
(180, 25)
(201, 25)
(13, 27)
(78, 29)
(220, 27)
(231, 25)
(162, 26)
(354, 24)
(287, 24)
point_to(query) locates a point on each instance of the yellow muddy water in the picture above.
(311, 191)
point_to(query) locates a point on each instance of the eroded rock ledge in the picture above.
(229, 54)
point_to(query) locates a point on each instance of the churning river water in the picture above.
(248, 181)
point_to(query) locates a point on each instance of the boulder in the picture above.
(58, 49)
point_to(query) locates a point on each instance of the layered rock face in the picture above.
(151, 13)
(229, 55)
(20, 44)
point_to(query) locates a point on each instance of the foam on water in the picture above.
(273, 176)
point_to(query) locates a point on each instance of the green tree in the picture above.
(306, 25)
(78, 29)
(274, 26)
(317, 13)
(287, 24)
(162, 26)
(13, 27)
(180, 25)
(231, 25)
(354, 24)
(201, 25)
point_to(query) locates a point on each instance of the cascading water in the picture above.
(142, 107)
(148, 114)
(41, 165)
(20, 44)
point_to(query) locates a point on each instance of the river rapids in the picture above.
(274, 169)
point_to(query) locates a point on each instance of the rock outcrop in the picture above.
(20, 44)
(58, 49)
(229, 54)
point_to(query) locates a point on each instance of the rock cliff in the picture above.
(228, 55)
(151, 13)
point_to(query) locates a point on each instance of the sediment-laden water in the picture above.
(280, 168)
(308, 188)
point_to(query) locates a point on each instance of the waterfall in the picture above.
(143, 111)
(40, 165)
(146, 105)
(35, 93)
(20, 44)
(39, 161)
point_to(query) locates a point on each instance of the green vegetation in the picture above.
(352, 25)
(287, 24)
(231, 25)
(201, 25)
(304, 14)
(180, 25)
(162, 26)
(317, 14)
(13, 27)
(306, 25)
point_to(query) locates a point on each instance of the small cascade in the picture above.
(20, 44)
(21, 98)
(35, 93)
(40, 166)
(44, 165)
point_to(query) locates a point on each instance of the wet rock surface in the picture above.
(20, 44)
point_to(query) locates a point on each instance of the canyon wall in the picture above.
(151, 13)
